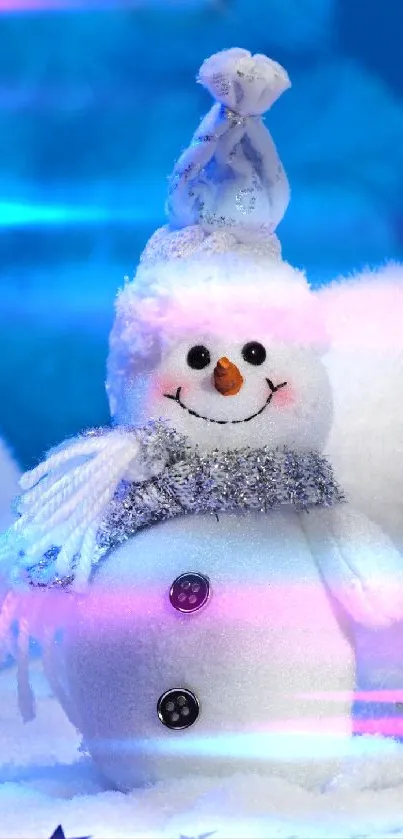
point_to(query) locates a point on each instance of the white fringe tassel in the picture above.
(64, 502)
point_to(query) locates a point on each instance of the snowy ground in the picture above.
(44, 781)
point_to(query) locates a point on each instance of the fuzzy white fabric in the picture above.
(231, 176)
(40, 765)
(359, 563)
(365, 365)
(166, 244)
(185, 299)
(246, 84)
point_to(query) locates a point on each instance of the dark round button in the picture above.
(178, 708)
(189, 592)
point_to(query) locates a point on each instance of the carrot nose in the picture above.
(227, 378)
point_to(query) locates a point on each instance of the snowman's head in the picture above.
(231, 357)
(216, 333)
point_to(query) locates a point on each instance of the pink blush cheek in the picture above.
(156, 389)
(285, 397)
(161, 385)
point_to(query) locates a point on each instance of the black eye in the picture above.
(198, 357)
(254, 353)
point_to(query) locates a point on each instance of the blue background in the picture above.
(96, 103)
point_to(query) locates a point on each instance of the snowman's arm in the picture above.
(66, 496)
(359, 563)
(363, 318)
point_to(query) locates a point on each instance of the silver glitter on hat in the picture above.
(228, 190)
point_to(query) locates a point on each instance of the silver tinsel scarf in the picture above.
(194, 481)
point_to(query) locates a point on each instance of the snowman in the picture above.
(195, 572)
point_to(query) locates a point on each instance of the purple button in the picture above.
(189, 592)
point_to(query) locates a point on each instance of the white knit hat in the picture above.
(227, 194)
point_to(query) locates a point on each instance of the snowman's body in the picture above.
(266, 656)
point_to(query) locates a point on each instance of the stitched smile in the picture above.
(177, 398)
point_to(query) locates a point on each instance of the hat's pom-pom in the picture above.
(246, 84)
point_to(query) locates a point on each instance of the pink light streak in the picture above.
(136, 608)
(382, 696)
(10, 6)
(387, 726)
(20, 6)
(298, 611)
(281, 605)
(278, 604)
(289, 314)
